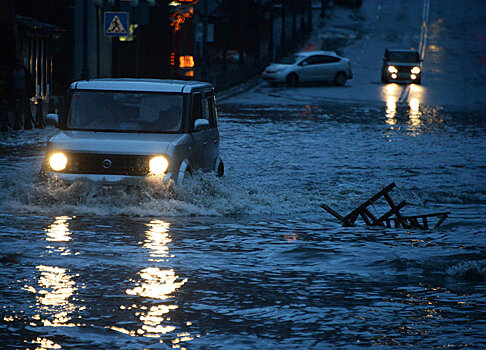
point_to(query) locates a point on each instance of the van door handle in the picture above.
(215, 141)
(205, 143)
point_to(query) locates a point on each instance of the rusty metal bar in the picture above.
(354, 214)
(392, 211)
(441, 220)
(374, 221)
(335, 214)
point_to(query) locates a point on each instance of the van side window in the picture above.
(210, 111)
(196, 107)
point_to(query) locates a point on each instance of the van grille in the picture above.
(109, 164)
(404, 69)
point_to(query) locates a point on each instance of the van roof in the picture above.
(148, 85)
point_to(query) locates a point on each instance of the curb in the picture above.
(238, 89)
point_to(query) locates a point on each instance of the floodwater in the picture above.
(251, 261)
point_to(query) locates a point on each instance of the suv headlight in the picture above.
(58, 161)
(158, 165)
(392, 69)
(415, 70)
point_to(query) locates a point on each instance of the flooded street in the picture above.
(251, 261)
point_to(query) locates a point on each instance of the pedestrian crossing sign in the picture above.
(116, 24)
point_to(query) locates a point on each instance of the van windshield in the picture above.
(404, 57)
(125, 111)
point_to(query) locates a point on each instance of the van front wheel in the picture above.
(187, 177)
(220, 170)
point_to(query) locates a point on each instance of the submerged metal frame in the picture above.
(386, 219)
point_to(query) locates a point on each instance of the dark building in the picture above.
(41, 37)
(222, 41)
(10, 43)
(142, 49)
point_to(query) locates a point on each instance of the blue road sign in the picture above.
(116, 24)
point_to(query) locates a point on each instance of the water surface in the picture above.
(251, 261)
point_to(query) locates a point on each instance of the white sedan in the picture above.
(312, 66)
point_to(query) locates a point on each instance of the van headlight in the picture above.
(415, 70)
(58, 161)
(158, 165)
(392, 69)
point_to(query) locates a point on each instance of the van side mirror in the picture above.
(52, 119)
(201, 124)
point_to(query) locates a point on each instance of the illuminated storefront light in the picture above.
(186, 61)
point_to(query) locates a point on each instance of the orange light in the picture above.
(186, 61)
(177, 20)
(189, 73)
(172, 59)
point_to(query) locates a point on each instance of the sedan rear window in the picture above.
(291, 59)
(125, 111)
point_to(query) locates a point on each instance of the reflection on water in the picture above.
(420, 307)
(55, 286)
(391, 110)
(44, 344)
(58, 231)
(276, 272)
(415, 120)
(157, 240)
(391, 92)
(415, 117)
(157, 284)
(395, 94)
(53, 293)
(308, 113)
(414, 106)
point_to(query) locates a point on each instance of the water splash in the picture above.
(206, 195)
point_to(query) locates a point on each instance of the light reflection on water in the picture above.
(45, 344)
(157, 240)
(59, 230)
(394, 94)
(55, 288)
(261, 276)
(55, 285)
(156, 284)
(391, 110)
(390, 92)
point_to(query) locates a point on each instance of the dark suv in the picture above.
(401, 65)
